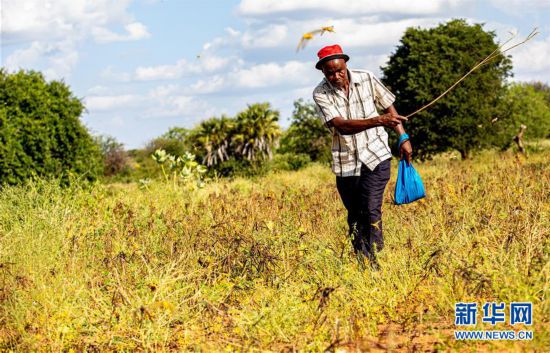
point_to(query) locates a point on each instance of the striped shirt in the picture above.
(366, 95)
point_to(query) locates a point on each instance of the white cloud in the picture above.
(110, 74)
(305, 92)
(56, 60)
(368, 32)
(213, 84)
(135, 31)
(520, 7)
(369, 62)
(117, 102)
(268, 75)
(251, 77)
(360, 32)
(233, 37)
(531, 60)
(203, 64)
(172, 101)
(271, 74)
(346, 8)
(179, 105)
(53, 30)
(257, 36)
(164, 90)
(161, 101)
(210, 63)
(267, 37)
(161, 72)
(98, 89)
(31, 20)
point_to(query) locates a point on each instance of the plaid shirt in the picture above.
(366, 94)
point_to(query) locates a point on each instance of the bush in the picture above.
(289, 161)
(40, 130)
(175, 141)
(234, 167)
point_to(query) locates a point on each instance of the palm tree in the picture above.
(213, 137)
(256, 131)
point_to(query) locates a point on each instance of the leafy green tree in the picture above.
(306, 134)
(172, 146)
(40, 130)
(175, 141)
(525, 105)
(177, 133)
(425, 64)
(542, 88)
(256, 132)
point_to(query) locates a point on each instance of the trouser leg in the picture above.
(372, 185)
(348, 188)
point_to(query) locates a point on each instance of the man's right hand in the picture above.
(391, 120)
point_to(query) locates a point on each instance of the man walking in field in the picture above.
(347, 102)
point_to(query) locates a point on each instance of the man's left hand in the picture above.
(406, 150)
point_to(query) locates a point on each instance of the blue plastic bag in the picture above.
(409, 186)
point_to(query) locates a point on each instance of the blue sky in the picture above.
(143, 66)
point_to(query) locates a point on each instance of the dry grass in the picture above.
(264, 265)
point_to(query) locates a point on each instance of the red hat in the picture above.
(328, 53)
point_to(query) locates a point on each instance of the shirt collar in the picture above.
(352, 78)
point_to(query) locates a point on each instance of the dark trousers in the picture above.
(362, 196)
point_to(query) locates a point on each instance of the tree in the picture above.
(228, 146)
(212, 138)
(40, 130)
(177, 133)
(425, 64)
(307, 134)
(172, 144)
(256, 132)
(115, 158)
(542, 88)
(526, 105)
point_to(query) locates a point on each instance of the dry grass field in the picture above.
(264, 264)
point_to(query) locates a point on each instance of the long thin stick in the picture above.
(490, 57)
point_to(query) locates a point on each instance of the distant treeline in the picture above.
(41, 133)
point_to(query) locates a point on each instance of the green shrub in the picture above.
(289, 161)
(526, 105)
(40, 130)
(234, 167)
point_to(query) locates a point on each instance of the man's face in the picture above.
(336, 72)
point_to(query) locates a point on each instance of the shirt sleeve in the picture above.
(325, 108)
(383, 98)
